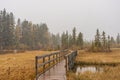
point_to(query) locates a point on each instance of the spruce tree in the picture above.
(70, 40)
(74, 36)
(118, 39)
(97, 41)
(109, 44)
(80, 40)
(63, 40)
(103, 40)
(112, 41)
(18, 34)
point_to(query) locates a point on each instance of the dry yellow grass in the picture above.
(99, 57)
(19, 66)
(109, 73)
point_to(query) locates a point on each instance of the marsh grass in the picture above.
(109, 73)
(99, 58)
(19, 66)
(109, 61)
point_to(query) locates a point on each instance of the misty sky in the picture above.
(62, 15)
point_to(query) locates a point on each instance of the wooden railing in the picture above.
(48, 61)
(70, 60)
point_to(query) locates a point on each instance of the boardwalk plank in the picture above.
(58, 72)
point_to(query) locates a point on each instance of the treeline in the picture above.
(103, 43)
(72, 41)
(25, 35)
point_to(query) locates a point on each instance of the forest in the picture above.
(25, 35)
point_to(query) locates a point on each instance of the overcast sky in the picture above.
(62, 15)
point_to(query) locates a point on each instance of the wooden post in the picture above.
(43, 65)
(36, 62)
(53, 58)
(49, 60)
(56, 57)
(59, 56)
(66, 63)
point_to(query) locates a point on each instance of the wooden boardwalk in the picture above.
(58, 72)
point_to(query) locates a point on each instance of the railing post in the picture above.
(59, 56)
(53, 58)
(66, 63)
(36, 67)
(69, 62)
(56, 57)
(44, 64)
(49, 60)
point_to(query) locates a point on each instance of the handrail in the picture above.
(70, 60)
(51, 58)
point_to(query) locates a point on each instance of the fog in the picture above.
(62, 15)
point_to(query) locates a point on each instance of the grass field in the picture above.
(106, 60)
(99, 58)
(19, 66)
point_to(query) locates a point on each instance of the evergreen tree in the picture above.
(11, 31)
(118, 39)
(63, 41)
(1, 31)
(55, 39)
(26, 34)
(66, 40)
(43, 35)
(80, 40)
(70, 41)
(97, 39)
(74, 36)
(58, 41)
(108, 43)
(18, 33)
(104, 40)
(112, 41)
(4, 28)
